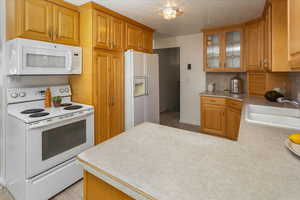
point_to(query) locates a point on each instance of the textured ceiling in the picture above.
(198, 14)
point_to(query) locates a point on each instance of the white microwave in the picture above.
(31, 57)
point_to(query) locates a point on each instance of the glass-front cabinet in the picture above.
(223, 50)
(213, 56)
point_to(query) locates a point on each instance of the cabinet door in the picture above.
(212, 53)
(147, 41)
(117, 94)
(101, 30)
(133, 37)
(66, 26)
(102, 100)
(254, 42)
(213, 119)
(233, 50)
(294, 34)
(267, 60)
(117, 32)
(233, 123)
(35, 20)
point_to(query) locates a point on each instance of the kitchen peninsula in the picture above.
(156, 162)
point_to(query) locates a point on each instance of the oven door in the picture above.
(38, 60)
(50, 145)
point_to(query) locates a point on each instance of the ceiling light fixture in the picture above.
(171, 12)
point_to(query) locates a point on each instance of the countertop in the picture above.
(239, 97)
(152, 161)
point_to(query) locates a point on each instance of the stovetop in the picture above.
(35, 111)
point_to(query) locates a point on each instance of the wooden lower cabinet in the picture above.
(213, 119)
(220, 117)
(233, 125)
(96, 189)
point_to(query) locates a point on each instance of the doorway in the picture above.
(169, 88)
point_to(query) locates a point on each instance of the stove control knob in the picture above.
(22, 94)
(61, 90)
(14, 95)
(67, 90)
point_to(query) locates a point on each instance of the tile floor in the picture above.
(75, 192)
(172, 119)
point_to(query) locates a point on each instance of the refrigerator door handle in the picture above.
(147, 86)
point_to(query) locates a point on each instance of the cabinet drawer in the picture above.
(234, 104)
(213, 100)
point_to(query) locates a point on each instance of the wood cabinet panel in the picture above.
(138, 39)
(213, 119)
(34, 20)
(133, 37)
(95, 189)
(256, 83)
(43, 20)
(102, 99)
(214, 101)
(147, 41)
(117, 33)
(279, 33)
(117, 95)
(233, 123)
(294, 34)
(66, 23)
(254, 40)
(101, 30)
(109, 96)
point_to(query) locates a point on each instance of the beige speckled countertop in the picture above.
(156, 162)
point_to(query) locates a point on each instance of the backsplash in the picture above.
(295, 83)
(222, 80)
(36, 81)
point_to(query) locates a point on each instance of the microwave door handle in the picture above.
(64, 120)
(69, 65)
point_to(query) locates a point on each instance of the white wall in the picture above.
(191, 81)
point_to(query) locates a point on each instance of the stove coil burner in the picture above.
(32, 111)
(41, 114)
(73, 107)
(65, 104)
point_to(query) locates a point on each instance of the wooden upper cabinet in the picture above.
(108, 31)
(33, 19)
(117, 33)
(101, 30)
(133, 37)
(254, 46)
(223, 49)
(294, 34)
(66, 23)
(42, 20)
(138, 39)
(147, 41)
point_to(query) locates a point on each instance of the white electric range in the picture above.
(42, 143)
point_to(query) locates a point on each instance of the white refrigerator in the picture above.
(141, 88)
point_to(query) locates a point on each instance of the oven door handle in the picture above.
(60, 119)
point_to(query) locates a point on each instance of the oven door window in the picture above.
(64, 138)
